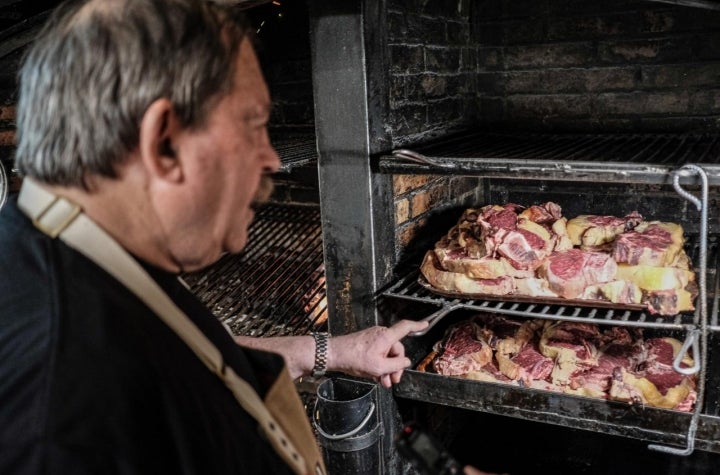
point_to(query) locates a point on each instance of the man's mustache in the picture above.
(264, 191)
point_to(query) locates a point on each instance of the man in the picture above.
(148, 118)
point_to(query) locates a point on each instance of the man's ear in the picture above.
(158, 131)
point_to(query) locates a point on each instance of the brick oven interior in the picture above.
(517, 69)
(446, 67)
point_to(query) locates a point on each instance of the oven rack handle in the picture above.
(435, 317)
(413, 156)
(702, 205)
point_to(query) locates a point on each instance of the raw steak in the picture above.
(590, 231)
(572, 346)
(650, 243)
(654, 382)
(570, 272)
(462, 352)
(457, 282)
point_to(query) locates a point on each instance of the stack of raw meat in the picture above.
(511, 250)
(614, 363)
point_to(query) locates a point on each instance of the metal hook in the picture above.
(691, 339)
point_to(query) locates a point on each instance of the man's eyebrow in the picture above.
(259, 112)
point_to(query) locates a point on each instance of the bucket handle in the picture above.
(346, 434)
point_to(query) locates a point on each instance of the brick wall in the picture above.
(283, 48)
(433, 91)
(433, 83)
(426, 206)
(598, 66)
(299, 186)
(560, 66)
(284, 52)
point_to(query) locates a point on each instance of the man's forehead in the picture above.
(250, 82)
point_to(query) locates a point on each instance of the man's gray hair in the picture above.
(97, 65)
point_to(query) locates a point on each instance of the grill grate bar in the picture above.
(582, 147)
(608, 157)
(276, 286)
(407, 288)
(631, 148)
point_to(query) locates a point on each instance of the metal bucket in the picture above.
(348, 426)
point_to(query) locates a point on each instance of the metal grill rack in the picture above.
(295, 150)
(629, 158)
(407, 287)
(276, 286)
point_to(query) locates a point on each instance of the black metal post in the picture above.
(348, 44)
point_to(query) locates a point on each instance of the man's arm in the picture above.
(374, 352)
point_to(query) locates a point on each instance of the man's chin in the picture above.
(236, 246)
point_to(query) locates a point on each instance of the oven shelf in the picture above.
(619, 158)
(408, 288)
(616, 418)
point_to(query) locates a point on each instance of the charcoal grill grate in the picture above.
(664, 149)
(276, 286)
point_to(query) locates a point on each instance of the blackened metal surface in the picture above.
(356, 232)
(625, 158)
(610, 417)
(276, 286)
(349, 70)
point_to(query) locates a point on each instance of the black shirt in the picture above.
(91, 381)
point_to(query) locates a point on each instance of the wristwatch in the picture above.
(321, 349)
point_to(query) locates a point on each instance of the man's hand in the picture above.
(374, 352)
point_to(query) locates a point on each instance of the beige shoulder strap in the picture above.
(58, 217)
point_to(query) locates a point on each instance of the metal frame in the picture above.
(349, 88)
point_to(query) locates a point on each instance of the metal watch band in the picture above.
(321, 349)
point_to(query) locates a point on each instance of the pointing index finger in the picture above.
(404, 327)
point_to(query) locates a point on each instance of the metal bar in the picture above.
(634, 158)
(706, 5)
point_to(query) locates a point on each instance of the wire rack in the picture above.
(276, 286)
